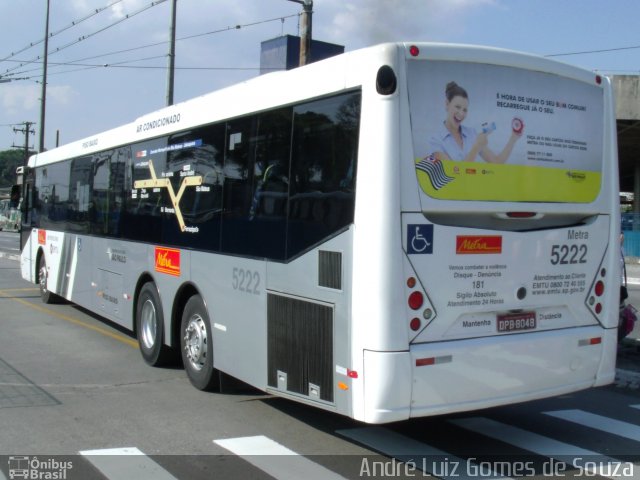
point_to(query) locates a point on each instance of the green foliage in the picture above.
(9, 161)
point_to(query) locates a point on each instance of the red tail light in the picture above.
(599, 290)
(416, 299)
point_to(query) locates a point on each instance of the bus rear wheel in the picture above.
(196, 345)
(150, 327)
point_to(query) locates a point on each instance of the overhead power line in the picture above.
(604, 50)
(78, 63)
(53, 34)
(90, 35)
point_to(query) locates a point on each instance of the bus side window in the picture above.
(323, 168)
(270, 189)
(200, 153)
(142, 216)
(238, 175)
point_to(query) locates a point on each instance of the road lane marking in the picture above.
(103, 331)
(598, 422)
(275, 459)
(545, 446)
(426, 458)
(129, 462)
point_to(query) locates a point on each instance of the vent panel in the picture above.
(330, 269)
(300, 342)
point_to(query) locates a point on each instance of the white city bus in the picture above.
(400, 231)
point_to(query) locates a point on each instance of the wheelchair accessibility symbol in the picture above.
(419, 238)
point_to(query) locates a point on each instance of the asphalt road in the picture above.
(76, 398)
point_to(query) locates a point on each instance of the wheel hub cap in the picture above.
(148, 324)
(195, 342)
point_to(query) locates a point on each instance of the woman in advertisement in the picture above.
(455, 141)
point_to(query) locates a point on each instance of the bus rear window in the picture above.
(496, 133)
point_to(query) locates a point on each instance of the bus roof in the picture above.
(318, 79)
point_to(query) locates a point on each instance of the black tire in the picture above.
(43, 280)
(196, 345)
(150, 327)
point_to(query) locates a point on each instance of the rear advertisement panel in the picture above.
(487, 132)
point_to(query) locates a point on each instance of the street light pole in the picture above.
(305, 31)
(43, 99)
(172, 55)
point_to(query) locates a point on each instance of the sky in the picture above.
(108, 58)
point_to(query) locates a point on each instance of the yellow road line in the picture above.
(30, 289)
(67, 318)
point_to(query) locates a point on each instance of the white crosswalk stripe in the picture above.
(119, 463)
(275, 459)
(429, 459)
(542, 445)
(404, 452)
(604, 424)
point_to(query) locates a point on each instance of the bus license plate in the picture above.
(516, 322)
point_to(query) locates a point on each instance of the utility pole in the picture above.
(172, 54)
(305, 30)
(43, 99)
(26, 130)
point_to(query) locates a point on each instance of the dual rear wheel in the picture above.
(196, 340)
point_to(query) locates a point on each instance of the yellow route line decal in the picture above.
(103, 331)
(155, 182)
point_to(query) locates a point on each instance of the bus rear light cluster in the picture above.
(598, 289)
(416, 301)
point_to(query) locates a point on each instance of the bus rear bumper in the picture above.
(463, 375)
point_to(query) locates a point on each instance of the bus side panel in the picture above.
(115, 268)
(321, 287)
(234, 291)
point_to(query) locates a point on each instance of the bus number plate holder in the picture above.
(516, 322)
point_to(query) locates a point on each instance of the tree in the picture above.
(9, 161)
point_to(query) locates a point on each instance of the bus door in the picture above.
(28, 222)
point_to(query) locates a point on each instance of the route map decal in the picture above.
(155, 182)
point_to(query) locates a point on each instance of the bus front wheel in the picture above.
(196, 345)
(43, 281)
(150, 327)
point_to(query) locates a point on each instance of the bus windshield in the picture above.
(504, 134)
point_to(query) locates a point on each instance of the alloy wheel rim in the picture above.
(195, 342)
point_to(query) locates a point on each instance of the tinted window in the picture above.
(79, 195)
(142, 219)
(256, 185)
(270, 189)
(52, 184)
(323, 169)
(270, 185)
(237, 191)
(107, 194)
(195, 162)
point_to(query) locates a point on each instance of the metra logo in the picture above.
(469, 244)
(168, 261)
(42, 237)
(579, 176)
